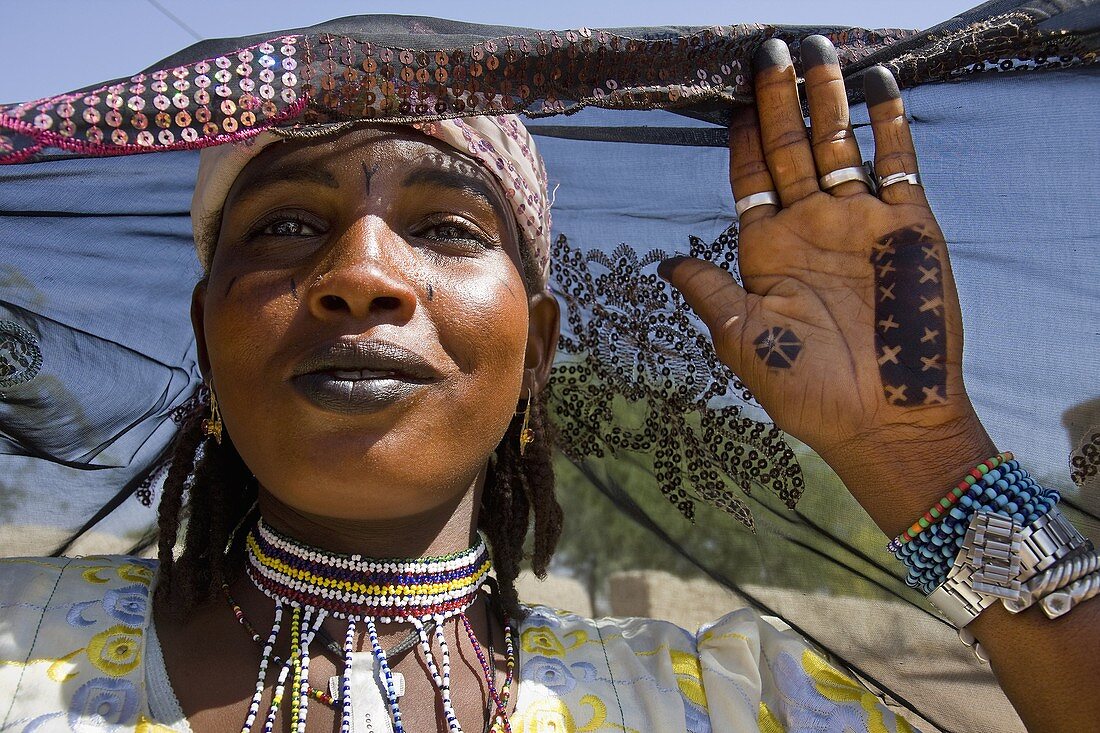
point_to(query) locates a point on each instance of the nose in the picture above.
(365, 274)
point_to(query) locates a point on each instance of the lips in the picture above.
(362, 376)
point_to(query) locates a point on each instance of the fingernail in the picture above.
(816, 51)
(665, 268)
(773, 52)
(879, 86)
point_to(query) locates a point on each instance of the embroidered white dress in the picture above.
(73, 657)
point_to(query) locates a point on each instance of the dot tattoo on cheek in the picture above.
(910, 327)
(778, 347)
(431, 292)
(293, 288)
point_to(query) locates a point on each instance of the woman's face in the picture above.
(365, 323)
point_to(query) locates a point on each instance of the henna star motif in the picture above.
(778, 347)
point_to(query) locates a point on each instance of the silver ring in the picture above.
(765, 198)
(890, 180)
(851, 173)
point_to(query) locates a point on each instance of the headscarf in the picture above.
(500, 143)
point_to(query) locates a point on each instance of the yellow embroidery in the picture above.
(135, 573)
(839, 687)
(92, 574)
(64, 668)
(599, 713)
(541, 640)
(547, 715)
(145, 725)
(767, 721)
(689, 676)
(116, 650)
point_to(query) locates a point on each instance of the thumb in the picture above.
(716, 298)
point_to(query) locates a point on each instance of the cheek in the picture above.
(484, 320)
(245, 320)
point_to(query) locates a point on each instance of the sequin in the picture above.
(119, 137)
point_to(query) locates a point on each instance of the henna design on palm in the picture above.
(910, 328)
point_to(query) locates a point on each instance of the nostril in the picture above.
(334, 303)
(385, 303)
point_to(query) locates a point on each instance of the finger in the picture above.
(748, 171)
(831, 137)
(717, 299)
(894, 151)
(782, 129)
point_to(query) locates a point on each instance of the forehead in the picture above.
(374, 149)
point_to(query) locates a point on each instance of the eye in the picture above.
(457, 232)
(284, 225)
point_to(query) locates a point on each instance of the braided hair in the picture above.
(222, 495)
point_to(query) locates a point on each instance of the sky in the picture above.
(62, 45)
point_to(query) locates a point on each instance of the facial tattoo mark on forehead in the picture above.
(368, 173)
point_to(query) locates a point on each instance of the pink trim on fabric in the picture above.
(48, 138)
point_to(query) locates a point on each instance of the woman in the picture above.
(375, 333)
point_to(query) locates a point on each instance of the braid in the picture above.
(517, 487)
(221, 493)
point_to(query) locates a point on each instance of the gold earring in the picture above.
(212, 426)
(526, 434)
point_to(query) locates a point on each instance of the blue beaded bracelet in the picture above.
(1007, 490)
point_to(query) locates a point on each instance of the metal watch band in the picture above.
(1038, 546)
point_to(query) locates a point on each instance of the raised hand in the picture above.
(847, 328)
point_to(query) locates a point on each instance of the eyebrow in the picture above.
(452, 179)
(289, 173)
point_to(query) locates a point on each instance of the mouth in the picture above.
(355, 377)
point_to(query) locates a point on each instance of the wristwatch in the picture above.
(997, 556)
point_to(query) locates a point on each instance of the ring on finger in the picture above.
(851, 173)
(765, 198)
(912, 179)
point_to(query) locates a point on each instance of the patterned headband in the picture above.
(500, 143)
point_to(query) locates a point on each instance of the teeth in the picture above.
(362, 374)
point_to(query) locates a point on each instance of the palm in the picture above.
(810, 268)
(848, 322)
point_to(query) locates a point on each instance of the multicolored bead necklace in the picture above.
(315, 584)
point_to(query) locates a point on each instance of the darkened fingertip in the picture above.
(879, 86)
(818, 50)
(665, 268)
(773, 52)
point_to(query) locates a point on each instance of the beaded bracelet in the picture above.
(931, 555)
(999, 485)
(948, 501)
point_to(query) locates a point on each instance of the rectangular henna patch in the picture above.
(910, 333)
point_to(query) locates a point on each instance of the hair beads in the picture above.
(315, 583)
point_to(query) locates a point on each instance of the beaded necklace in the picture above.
(316, 584)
